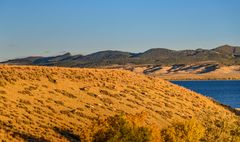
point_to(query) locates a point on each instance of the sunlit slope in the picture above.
(44, 103)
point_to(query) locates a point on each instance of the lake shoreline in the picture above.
(170, 80)
(196, 77)
(226, 92)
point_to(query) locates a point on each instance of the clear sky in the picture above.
(51, 27)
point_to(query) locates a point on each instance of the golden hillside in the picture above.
(55, 104)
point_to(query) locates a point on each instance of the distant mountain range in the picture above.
(226, 54)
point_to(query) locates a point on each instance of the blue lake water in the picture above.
(224, 91)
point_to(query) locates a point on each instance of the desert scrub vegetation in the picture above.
(81, 96)
(221, 130)
(122, 128)
(127, 128)
(188, 131)
(117, 129)
(194, 131)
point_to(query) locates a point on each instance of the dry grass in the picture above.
(57, 104)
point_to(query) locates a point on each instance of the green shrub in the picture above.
(189, 131)
(118, 129)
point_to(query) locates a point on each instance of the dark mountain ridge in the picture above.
(226, 54)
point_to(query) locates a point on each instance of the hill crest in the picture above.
(226, 54)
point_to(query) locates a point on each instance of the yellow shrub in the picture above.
(118, 129)
(189, 131)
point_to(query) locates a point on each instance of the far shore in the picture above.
(202, 79)
(197, 77)
(189, 72)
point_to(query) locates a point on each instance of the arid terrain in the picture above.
(59, 104)
(195, 71)
(220, 63)
(222, 73)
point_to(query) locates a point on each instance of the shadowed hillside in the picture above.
(195, 71)
(58, 104)
(226, 54)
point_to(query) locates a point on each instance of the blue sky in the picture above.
(51, 27)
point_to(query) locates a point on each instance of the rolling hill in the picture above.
(57, 104)
(227, 55)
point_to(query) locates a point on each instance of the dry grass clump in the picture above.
(221, 130)
(65, 93)
(235, 132)
(56, 104)
(3, 92)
